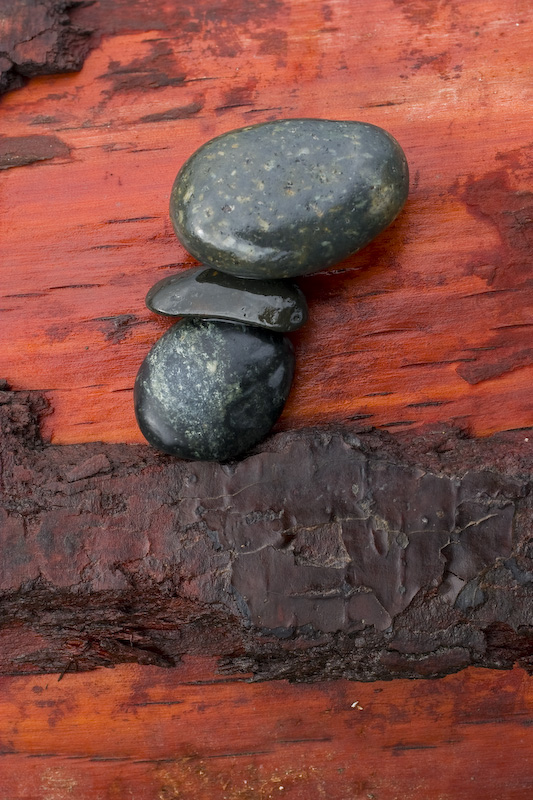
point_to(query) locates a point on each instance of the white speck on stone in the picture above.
(212, 367)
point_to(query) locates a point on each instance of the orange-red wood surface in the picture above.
(188, 734)
(431, 323)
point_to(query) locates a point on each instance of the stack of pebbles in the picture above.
(256, 206)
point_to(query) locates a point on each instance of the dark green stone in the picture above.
(289, 197)
(210, 390)
(205, 292)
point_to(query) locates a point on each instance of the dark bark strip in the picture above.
(38, 38)
(324, 554)
(18, 151)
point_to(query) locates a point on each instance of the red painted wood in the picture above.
(431, 323)
(147, 733)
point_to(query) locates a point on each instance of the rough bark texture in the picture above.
(327, 553)
(38, 38)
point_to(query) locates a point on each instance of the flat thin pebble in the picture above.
(210, 390)
(204, 292)
(289, 197)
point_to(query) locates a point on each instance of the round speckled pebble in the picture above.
(289, 197)
(210, 390)
(205, 292)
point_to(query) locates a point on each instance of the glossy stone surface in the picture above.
(289, 197)
(210, 390)
(205, 292)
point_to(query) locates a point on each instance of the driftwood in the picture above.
(329, 551)
(326, 553)
(105, 554)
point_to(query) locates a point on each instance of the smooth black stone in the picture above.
(210, 390)
(205, 292)
(289, 197)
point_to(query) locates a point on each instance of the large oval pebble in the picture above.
(205, 292)
(289, 197)
(210, 390)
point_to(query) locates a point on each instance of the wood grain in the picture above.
(431, 323)
(187, 733)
